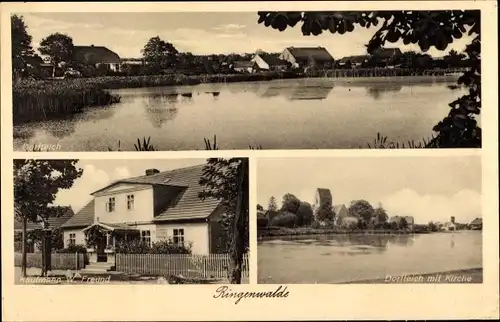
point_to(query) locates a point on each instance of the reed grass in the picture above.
(40, 100)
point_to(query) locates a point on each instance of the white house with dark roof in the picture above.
(300, 57)
(156, 206)
(97, 56)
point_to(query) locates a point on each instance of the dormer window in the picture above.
(166, 180)
(110, 205)
(130, 202)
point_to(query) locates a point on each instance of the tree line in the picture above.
(295, 213)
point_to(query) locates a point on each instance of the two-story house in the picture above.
(156, 206)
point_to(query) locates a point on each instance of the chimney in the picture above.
(452, 219)
(150, 172)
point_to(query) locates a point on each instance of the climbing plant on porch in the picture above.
(94, 234)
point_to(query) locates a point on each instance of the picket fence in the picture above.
(192, 266)
(61, 261)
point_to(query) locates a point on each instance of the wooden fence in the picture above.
(61, 261)
(192, 266)
(389, 72)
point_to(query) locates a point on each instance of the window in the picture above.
(146, 237)
(130, 202)
(72, 239)
(179, 237)
(110, 205)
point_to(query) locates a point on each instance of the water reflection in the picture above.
(352, 244)
(381, 89)
(161, 108)
(298, 90)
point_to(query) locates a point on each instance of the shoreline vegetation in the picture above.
(264, 233)
(35, 100)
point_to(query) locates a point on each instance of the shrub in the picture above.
(166, 246)
(285, 219)
(262, 221)
(73, 249)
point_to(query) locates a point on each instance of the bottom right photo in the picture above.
(369, 220)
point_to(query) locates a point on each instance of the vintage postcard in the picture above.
(308, 158)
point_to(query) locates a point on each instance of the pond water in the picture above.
(348, 258)
(323, 113)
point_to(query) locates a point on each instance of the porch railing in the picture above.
(191, 266)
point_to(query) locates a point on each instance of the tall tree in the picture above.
(305, 214)
(380, 215)
(21, 44)
(159, 55)
(290, 203)
(36, 183)
(58, 47)
(324, 212)
(227, 181)
(361, 208)
(272, 204)
(427, 29)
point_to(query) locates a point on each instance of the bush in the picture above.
(285, 219)
(73, 249)
(262, 221)
(166, 246)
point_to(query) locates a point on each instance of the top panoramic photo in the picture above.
(167, 81)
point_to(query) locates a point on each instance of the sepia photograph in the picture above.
(94, 81)
(370, 220)
(161, 221)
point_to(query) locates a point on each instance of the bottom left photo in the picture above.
(119, 221)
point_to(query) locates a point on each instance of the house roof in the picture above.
(354, 59)
(94, 55)
(188, 205)
(304, 53)
(243, 64)
(337, 209)
(53, 222)
(387, 52)
(477, 221)
(82, 218)
(273, 59)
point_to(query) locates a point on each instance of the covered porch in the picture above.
(102, 238)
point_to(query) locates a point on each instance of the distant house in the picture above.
(270, 62)
(300, 57)
(343, 218)
(150, 208)
(243, 66)
(97, 56)
(410, 221)
(450, 225)
(132, 65)
(386, 55)
(353, 61)
(52, 223)
(476, 224)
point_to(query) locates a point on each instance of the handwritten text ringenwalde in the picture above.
(225, 292)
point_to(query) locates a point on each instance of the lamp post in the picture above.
(46, 249)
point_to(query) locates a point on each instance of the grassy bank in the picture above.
(299, 231)
(39, 100)
(462, 276)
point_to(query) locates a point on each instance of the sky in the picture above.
(197, 32)
(427, 188)
(99, 173)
